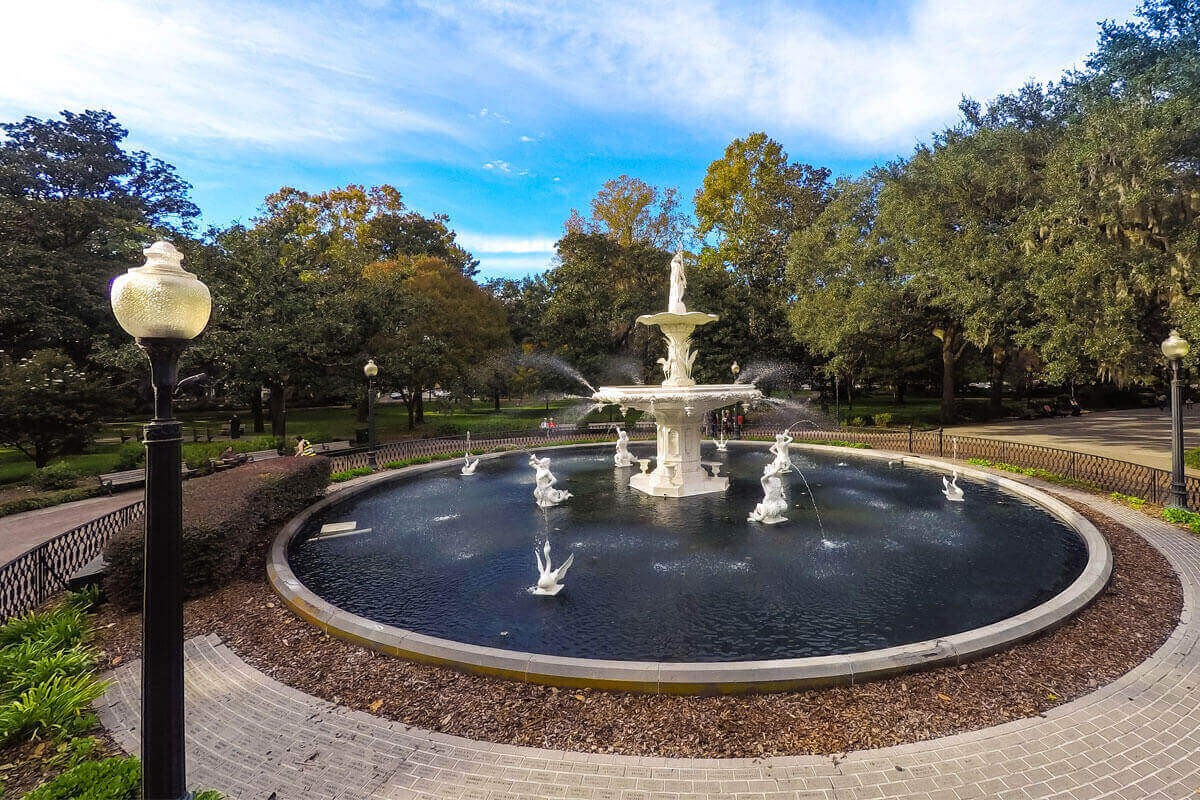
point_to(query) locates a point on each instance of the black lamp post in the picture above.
(163, 307)
(371, 369)
(1175, 348)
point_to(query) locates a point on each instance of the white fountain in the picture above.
(550, 579)
(678, 405)
(770, 510)
(621, 457)
(544, 493)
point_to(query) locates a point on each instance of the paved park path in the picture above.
(1141, 435)
(1137, 739)
(19, 532)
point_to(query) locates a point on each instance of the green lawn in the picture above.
(316, 424)
(920, 412)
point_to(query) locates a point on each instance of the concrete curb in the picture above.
(699, 677)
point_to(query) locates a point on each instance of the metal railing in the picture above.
(30, 578)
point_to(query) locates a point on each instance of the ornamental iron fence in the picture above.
(32, 577)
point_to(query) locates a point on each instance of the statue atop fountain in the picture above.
(550, 579)
(678, 405)
(780, 449)
(621, 457)
(544, 493)
(770, 510)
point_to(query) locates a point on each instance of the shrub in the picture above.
(227, 517)
(858, 422)
(1181, 516)
(49, 499)
(882, 420)
(1129, 500)
(58, 475)
(130, 455)
(110, 779)
(341, 477)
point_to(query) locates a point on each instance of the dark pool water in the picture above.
(689, 579)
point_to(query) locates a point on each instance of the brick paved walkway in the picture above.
(1137, 739)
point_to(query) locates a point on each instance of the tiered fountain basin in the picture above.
(678, 412)
(682, 595)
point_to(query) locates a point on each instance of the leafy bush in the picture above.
(1181, 516)
(882, 420)
(1129, 500)
(1036, 472)
(227, 517)
(197, 454)
(58, 475)
(130, 455)
(110, 779)
(57, 707)
(48, 499)
(342, 477)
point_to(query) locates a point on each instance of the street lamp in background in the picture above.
(1175, 348)
(163, 307)
(371, 369)
(735, 369)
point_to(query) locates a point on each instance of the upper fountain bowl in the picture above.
(699, 398)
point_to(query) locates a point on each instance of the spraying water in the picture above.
(555, 364)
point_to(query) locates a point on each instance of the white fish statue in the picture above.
(770, 510)
(544, 493)
(550, 579)
(951, 489)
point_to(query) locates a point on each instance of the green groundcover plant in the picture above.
(47, 685)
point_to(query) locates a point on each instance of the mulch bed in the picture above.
(1128, 622)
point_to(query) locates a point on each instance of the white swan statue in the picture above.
(951, 489)
(550, 579)
(544, 493)
(780, 449)
(468, 467)
(722, 443)
(770, 510)
(621, 457)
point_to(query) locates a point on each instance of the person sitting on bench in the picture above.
(229, 457)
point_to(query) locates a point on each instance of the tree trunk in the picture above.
(278, 412)
(256, 410)
(949, 359)
(996, 396)
(898, 388)
(496, 399)
(419, 405)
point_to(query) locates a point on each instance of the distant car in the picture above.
(395, 395)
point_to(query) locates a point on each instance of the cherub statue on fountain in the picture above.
(544, 493)
(770, 510)
(782, 459)
(622, 458)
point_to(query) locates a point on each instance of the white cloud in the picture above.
(526, 139)
(779, 67)
(503, 166)
(512, 266)
(500, 243)
(372, 79)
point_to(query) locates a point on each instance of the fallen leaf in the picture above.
(376, 705)
(944, 697)
(578, 697)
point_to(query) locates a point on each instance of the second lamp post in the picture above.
(1175, 348)
(371, 369)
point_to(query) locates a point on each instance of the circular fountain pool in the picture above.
(438, 566)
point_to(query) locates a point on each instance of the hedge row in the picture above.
(227, 517)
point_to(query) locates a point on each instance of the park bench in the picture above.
(130, 478)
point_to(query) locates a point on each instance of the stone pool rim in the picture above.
(723, 677)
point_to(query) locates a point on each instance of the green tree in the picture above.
(48, 405)
(629, 210)
(76, 208)
(751, 202)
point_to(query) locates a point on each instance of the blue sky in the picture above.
(505, 114)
